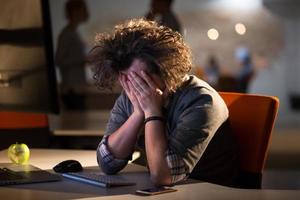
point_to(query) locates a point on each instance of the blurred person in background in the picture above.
(212, 71)
(70, 56)
(246, 70)
(161, 12)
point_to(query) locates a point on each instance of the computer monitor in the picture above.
(27, 71)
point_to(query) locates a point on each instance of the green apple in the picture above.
(18, 153)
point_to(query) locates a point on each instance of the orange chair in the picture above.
(30, 128)
(252, 118)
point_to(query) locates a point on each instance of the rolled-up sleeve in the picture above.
(178, 169)
(195, 126)
(108, 163)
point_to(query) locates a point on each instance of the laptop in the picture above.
(13, 174)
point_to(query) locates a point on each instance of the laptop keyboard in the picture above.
(6, 174)
(105, 179)
(11, 177)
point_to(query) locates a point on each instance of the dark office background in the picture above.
(268, 30)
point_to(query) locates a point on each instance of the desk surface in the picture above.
(68, 189)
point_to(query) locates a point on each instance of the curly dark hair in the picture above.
(162, 49)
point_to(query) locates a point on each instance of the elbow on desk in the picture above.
(160, 180)
(108, 171)
(110, 166)
(105, 168)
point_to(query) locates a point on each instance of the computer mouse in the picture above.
(68, 166)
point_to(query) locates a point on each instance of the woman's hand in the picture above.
(151, 100)
(148, 94)
(127, 86)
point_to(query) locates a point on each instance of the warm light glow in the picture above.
(240, 28)
(237, 4)
(213, 34)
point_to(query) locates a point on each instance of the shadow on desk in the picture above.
(71, 188)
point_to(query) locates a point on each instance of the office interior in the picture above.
(221, 34)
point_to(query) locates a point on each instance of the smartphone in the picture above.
(156, 190)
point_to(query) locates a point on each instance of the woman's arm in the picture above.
(121, 143)
(115, 149)
(150, 99)
(113, 156)
(156, 149)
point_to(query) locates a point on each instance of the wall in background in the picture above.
(269, 35)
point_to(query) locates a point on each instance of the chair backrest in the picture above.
(22, 127)
(252, 118)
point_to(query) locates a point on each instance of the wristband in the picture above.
(159, 118)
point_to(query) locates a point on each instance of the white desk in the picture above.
(68, 189)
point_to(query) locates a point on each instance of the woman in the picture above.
(170, 116)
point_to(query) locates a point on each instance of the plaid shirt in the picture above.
(193, 114)
(175, 163)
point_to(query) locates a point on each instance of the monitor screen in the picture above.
(27, 72)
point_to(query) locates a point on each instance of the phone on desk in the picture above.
(155, 190)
